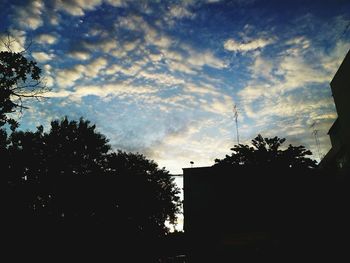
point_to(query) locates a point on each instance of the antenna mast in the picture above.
(317, 142)
(235, 115)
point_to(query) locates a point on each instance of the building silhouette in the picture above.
(339, 155)
(252, 215)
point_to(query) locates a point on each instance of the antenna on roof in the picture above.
(317, 142)
(235, 115)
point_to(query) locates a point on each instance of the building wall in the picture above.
(339, 133)
(234, 213)
(340, 86)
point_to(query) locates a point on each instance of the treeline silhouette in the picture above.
(66, 186)
(265, 153)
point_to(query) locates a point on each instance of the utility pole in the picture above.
(235, 115)
(317, 142)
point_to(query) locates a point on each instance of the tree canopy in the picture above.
(70, 175)
(20, 79)
(268, 153)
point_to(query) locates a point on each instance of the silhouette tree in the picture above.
(267, 153)
(70, 177)
(20, 79)
(150, 197)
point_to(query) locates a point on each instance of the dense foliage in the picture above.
(267, 153)
(70, 175)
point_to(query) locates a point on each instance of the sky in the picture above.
(162, 77)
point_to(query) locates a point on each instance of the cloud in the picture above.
(235, 46)
(111, 89)
(67, 77)
(77, 7)
(294, 68)
(130, 71)
(42, 56)
(16, 39)
(180, 11)
(198, 59)
(189, 61)
(300, 41)
(332, 60)
(297, 72)
(180, 66)
(80, 54)
(49, 81)
(197, 144)
(29, 16)
(157, 46)
(161, 78)
(103, 91)
(117, 3)
(290, 90)
(151, 35)
(105, 45)
(46, 39)
(92, 69)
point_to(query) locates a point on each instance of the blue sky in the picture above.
(162, 77)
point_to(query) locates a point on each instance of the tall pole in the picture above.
(317, 142)
(235, 114)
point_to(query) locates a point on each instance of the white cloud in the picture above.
(235, 46)
(155, 57)
(67, 77)
(117, 3)
(161, 78)
(197, 145)
(92, 69)
(16, 39)
(300, 41)
(42, 56)
(54, 19)
(262, 67)
(129, 46)
(180, 11)
(106, 45)
(80, 54)
(111, 89)
(332, 60)
(292, 70)
(180, 66)
(151, 35)
(201, 89)
(46, 39)
(182, 58)
(130, 71)
(269, 98)
(49, 81)
(77, 7)
(222, 106)
(29, 16)
(297, 72)
(199, 59)
(191, 62)
(103, 91)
